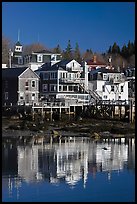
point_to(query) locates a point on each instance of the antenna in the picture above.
(18, 34)
(38, 38)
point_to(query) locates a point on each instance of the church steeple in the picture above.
(17, 59)
(18, 46)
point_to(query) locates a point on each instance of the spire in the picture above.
(18, 35)
(38, 38)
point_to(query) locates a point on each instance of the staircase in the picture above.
(93, 94)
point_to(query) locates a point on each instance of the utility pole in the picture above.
(10, 55)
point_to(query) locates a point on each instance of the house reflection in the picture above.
(67, 162)
(70, 161)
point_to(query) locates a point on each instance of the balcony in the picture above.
(65, 80)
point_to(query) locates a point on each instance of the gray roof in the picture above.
(48, 67)
(43, 51)
(62, 63)
(18, 44)
(12, 72)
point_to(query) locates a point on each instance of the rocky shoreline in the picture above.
(16, 129)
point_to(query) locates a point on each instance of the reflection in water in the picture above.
(70, 162)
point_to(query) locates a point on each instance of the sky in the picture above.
(93, 25)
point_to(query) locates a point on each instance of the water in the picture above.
(75, 171)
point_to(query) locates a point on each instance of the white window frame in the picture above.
(21, 96)
(34, 83)
(39, 58)
(33, 95)
(54, 89)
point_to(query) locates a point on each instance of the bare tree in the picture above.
(88, 55)
(6, 46)
(35, 47)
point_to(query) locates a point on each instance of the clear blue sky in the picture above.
(95, 25)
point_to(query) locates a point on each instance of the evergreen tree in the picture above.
(124, 51)
(109, 50)
(67, 54)
(77, 55)
(115, 49)
(57, 49)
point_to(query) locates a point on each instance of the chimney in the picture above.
(94, 58)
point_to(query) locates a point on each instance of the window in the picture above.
(60, 88)
(70, 88)
(119, 97)
(105, 97)
(44, 87)
(104, 76)
(33, 84)
(112, 88)
(121, 88)
(20, 60)
(103, 88)
(53, 75)
(21, 96)
(53, 88)
(26, 83)
(64, 88)
(75, 88)
(33, 96)
(60, 74)
(39, 58)
(6, 95)
(45, 75)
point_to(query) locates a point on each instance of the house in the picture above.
(63, 80)
(35, 60)
(95, 63)
(19, 86)
(130, 76)
(109, 84)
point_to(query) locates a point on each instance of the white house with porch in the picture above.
(109, 84)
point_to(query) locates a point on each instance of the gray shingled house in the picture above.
(19, 86)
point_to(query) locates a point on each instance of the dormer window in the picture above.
(39, 58)
(18, 48)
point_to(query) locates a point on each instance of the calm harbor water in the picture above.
(77, 170)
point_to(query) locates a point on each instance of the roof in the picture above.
(61, 65)
(48, 67)
(91, 62)
(43, 51)
(18, 44)
(104, 70)
(12, 72)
